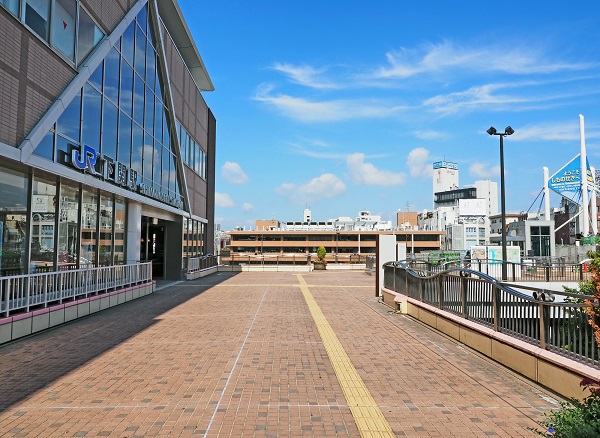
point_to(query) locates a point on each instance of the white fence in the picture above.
(21, 293)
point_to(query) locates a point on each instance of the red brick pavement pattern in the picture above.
(239, 356)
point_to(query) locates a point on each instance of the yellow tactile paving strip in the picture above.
(367, 415)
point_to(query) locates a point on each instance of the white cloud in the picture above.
(233, 173)
(223, 200)
(366, 173)
(305, 75)
(557, 131)
(434, 58)
(484, 171)
(247, 207)
(326, 186)
(326, 111)
(419, 163)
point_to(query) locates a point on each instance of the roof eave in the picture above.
(173, 18)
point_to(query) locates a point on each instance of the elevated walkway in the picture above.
(259, 354)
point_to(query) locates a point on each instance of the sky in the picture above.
(343, 106)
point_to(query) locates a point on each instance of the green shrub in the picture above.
(321, 252)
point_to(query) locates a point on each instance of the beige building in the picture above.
(341, 246)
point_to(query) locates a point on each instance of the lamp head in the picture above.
(491, 131)
(509, 131)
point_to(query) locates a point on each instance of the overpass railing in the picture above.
(554, 321)
(23, 293)
(529, 269)
(199, 263)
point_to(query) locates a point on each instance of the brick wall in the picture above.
(108, 13)
(32, 76)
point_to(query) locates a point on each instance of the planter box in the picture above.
(320, 266)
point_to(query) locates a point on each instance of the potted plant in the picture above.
(321, 263)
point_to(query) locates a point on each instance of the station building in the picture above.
(107, 147)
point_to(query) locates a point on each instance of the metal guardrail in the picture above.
(23, 293)
(554, 321)
(199, 263)
(527, 270)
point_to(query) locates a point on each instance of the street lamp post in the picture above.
(507, 131)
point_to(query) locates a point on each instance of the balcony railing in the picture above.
(23, 293)
(554, 321)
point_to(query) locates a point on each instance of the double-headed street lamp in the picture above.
(507, 131)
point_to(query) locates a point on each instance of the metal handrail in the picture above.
(24, 293)
(552, 320)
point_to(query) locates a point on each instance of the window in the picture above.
(89, 35)
(63, 27)
(11, 5)
(37, 14)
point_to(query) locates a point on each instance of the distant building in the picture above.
(445, 177)
(345, 239)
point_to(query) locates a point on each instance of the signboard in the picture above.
(493, 254)
(472, 207)
(118, 174)
(568, 178)
(445, 165)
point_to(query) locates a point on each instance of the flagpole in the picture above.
(585, 219)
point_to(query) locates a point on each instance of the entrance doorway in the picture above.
(152, 248)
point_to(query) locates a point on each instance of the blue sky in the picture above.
(341, 106)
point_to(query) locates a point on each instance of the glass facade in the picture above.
(64, 24)
(120, 114)
(13, 222)
(192, 154)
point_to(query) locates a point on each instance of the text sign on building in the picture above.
(568, 178)
(445, 165)
(119, 174)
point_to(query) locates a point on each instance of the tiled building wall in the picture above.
(191, 110)
(32, 76)
(108, 13)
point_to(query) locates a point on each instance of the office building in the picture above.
(107, 145)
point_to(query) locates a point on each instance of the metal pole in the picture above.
(503, 207)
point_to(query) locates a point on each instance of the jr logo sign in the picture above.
(85, 160)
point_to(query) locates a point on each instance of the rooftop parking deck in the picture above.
(259, 354)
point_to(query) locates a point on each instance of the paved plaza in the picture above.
(282, 354)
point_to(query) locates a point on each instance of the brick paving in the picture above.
(239, 355)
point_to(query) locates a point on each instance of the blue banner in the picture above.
(568, 178)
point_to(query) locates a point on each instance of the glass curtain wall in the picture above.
(13, 222)
(106, 229)
(43, 220)
(119, 242)
(89, 229)
(121, 115)
(68, 227)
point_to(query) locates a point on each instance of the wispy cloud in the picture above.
(366, 173)
(326, 186)
(445, 56)
(306, 110)
(223, 200)
(233, 173)
(419, 163)
(305, 75)
(247, 207)
(557, 131)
